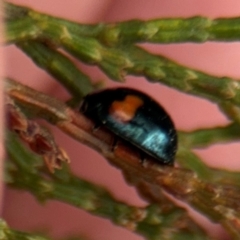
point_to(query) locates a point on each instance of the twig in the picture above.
(169, 30)
(63, 186)
(209, 198)
(124, 59)
(59, 66)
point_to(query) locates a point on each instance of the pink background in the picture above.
(222, 59)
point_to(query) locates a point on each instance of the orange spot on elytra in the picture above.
(124, 111)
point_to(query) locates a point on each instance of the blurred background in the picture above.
(23, 212)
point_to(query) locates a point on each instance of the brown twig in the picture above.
(220, 202)
(38, 138)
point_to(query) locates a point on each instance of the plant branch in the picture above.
(169, 30)
(63, 186)
(213, 199)
(10, 234)
(122, 60)
(59, 66)
(214, 192)
(201, 138)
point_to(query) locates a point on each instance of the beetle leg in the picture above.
(96, 127)
(115, 143)
(142, 158)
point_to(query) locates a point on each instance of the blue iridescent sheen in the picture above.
(150, 129)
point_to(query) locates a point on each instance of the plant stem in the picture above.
(169, 30)
(201, 138)
(151, 221)
(122, 60)
(7, 233)
(59, 66)
(215, 199)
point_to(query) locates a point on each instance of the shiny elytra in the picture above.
(136, 118)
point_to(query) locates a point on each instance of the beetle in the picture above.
(136, 118)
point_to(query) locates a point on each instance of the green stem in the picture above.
(123, 60)
(189, 160)
(7, 233)
(169, 30)
(151, 221)
(205, 137)
(159, 69)
(59, 66)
